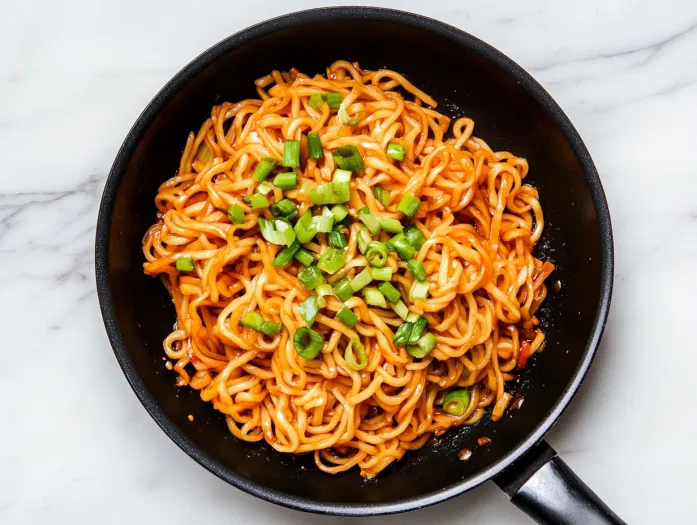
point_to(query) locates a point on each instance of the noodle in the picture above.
(480, 224)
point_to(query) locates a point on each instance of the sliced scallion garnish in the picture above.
(307, 342)
(185, 264)
(346, 316)
(409, 204)
(264, 168)
(291, 153)
(314, 146)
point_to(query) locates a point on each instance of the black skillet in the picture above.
(512, 112)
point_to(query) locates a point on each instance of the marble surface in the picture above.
(75, 444)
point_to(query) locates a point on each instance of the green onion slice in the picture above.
(414, 237)
(316, 101)
(257, 323)
(332, 260)
(362, 279)
(343, 289)
(395, 151)
(346, 316)
(291, 153)
(456, 402)
(304, 229)
(400, 309)
(286, 181)
(382, 274)
(348, 157)
(401, 336)
(417, 270)
(307, 342)
(235, 213)
(391, 225)
(418, 291)
(374, 297)
(265, 187)
(340, 212)
(333, 100)
(405, 250)
(337, 239)
(185, 264)
(423, 346)
(311, 277)
(284, 209)
(382, 195)
(363, 238)
(285, 256)
(304, 257)
(356, 349)
(376, 254)
(409, 204)
(309, 309)
(314, 146)
(389, 291)
(417, 329)
(264, 168)
(256, 201)
(276, 232)
(371, 221)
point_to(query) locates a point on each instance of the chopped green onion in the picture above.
(341, 182)
(333, 100)
(413, 317)
(305, 188)
(417, 329)
(456, 402)
(390, 225)
(409, 204)
(414, 237)
(343, 289)
(321, 301)
(256, 201)
(353, 349)
(390, 292)
(324, 194)
(252, 320)
(371, 221)
(348, 157)
(304, 257)
(346, 316)
(382, 195)
(418, 291)
(309, 309)
(423, 346)
(400, 309)
(324, 289)
(265, 187)
(322, 224)
(284, 209)
(417, 270)
(376, 254)
(395, 151)
(264, 168)
(316, 101)
(185, 264)
(286, 181)
(314, 146)
(291, 153)
(337, 239)
(311, 277)
(405, 250)
(257, 323)
(276, 232)
(332, 260)
(303, 228)
(235, 213)
(382, 274)
(401, 336)
(364, 238)
(286, 254)
(344, 118)
(307, 342)
(362, 279)
(340, 212)
(373, 297)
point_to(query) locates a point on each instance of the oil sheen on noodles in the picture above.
(239, 308)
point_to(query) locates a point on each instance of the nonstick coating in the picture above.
(467, 77)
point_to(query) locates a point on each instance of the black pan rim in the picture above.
(191, 70)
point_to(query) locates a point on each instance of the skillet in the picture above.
(512, 112)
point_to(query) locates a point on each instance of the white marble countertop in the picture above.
(77, 447)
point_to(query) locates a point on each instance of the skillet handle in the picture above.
(547, 490)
